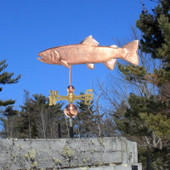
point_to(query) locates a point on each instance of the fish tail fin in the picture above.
(131, 52)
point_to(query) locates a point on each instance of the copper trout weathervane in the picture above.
(87, 52)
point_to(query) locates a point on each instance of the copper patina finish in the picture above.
(89, 52)
(70, 110)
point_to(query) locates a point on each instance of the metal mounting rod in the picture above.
(71, 121)
(71, 128)
(70, 71)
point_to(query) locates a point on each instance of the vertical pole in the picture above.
(71, 120)
(148, 167)
(70, 72)
(59, 131)
(71, 128)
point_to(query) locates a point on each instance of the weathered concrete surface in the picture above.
(116, 167)
(66, 153)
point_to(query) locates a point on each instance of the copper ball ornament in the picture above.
(70, 89)
(70, 110)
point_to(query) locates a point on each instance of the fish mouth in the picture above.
(41, 54)
(42, 57)
(47, 61)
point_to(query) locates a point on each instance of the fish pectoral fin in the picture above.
(114, 46)
(90, 41)
(110, 64)
(63, 62)
(90, 66)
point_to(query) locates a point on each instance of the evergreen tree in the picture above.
(146, 118)
(156, 37)
(39, 120)
(84, 121)
(6, 78)
(8, 116)
(27, 119)
(143, 120)
(88, 122)
(9, 120)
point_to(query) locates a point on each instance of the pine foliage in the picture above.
(156, 35)
(145, 118)
(6, 78)
(39, 120)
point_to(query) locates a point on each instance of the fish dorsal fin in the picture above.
(90, 41)
(110, 64)
(114, 46)
(90, 66)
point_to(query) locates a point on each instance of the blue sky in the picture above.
(28, 27)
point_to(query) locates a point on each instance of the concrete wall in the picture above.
(116, 167)
(67, 153)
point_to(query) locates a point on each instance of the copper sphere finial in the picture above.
(70, 110)
(70, 89)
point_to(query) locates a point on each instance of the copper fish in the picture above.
(89, 52)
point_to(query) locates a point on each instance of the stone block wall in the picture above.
(72, 154)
